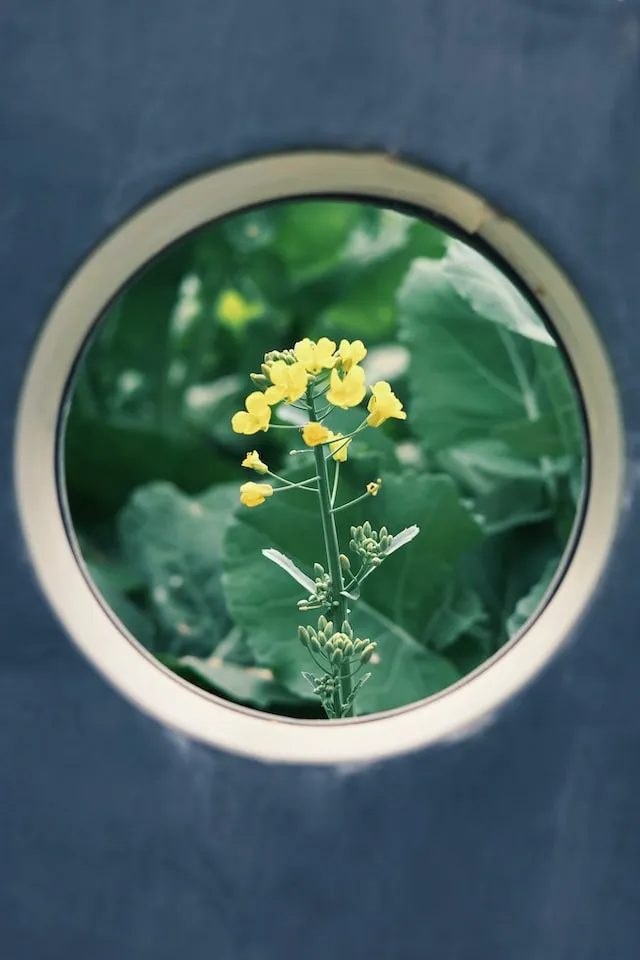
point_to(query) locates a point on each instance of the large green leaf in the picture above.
(482, 365)
(507, 490)
(413, 583)
(176, 541)
(461, 612)
(490, 293)
(397, 600)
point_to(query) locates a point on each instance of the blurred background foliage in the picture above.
(489, 462)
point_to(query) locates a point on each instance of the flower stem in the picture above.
(332, 546)
(350, 503)
(303, 485)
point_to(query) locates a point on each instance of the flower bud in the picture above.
(348, 648)
(260, 380)
(314, 645)
(359, 645)
(345, 563)
(322, 622)
(353, 531)
(367, 653)
(346, 629)
(303, 636)
(336, 656)
(318, 569)
(321, 638)
(383, 532)
(329, 628)
(366, 528)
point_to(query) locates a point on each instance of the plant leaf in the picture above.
(399, 540)
(279, 558)
(251, 685)
(176, 543)
(481, 363)
(529, 603)
(408, 589)
(137, 623)
(457, 616)
(490, 293)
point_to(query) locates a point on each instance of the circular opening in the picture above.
(463, 405)
(374, 326)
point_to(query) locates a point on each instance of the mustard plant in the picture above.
(315, 378)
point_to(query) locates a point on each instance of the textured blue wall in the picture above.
(119, 839)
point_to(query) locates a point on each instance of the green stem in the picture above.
(289, 483)
(332, 546)
(337, 701)
(350, 503)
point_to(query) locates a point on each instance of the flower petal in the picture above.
(256, 403)
(243, 422)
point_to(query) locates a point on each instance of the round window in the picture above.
(323, 454)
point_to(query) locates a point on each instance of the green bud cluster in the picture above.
(324, 686)
(336, 646)
(369, 545)
(287, 355)
(322, 593)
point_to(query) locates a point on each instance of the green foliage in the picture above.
(395, 606)
(488, 464)
(176, 543)
(482, 366)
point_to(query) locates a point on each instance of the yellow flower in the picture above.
(255, 417)
(235, 311)
(383, 404)
(289, 382)
(338, 449)
(351, 353)
(253, 462)
(373, 487)
(316, 356)
(314, 433)
(347, 391)
(253, 494)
